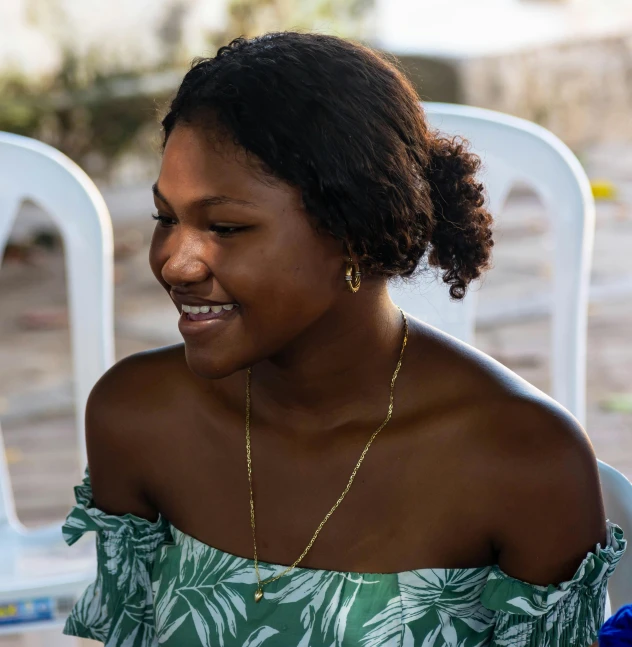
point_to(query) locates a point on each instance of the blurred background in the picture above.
(92, 77)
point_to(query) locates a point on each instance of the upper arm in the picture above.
(547, 511)
(114, 440)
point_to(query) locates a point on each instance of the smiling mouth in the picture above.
(205, 316)
(203, 309)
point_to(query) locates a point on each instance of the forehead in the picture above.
(199, 160)
(195, 153)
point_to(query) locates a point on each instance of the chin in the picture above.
(210, 367)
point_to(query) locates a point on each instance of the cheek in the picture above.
(301, 282)
(155, 259)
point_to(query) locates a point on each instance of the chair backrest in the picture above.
(35, 171)
(617, 499)
(514, 150)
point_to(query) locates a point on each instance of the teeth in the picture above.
(197, 309)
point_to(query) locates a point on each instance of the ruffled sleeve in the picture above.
(117, 608)
(562, 615)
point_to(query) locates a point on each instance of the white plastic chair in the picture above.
(515, 150)
(36, 563)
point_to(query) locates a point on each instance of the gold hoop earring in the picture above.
(353, 282)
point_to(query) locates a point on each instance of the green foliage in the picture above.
(346, 18)
(96, 114)
(80, 112)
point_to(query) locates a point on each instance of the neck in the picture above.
(338, 371)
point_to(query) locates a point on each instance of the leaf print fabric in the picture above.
(304, 608)
(570, 613)
(157, 586)
(117, 608)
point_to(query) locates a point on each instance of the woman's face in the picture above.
(282, 274)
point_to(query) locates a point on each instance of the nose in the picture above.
(185, 264)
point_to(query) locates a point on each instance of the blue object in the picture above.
(616, 631)
(26, 611)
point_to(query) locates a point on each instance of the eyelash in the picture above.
(221, 231)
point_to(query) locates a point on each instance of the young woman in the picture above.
(312, 466)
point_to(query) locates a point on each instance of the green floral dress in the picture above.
(157, 586)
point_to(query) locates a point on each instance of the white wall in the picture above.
(118, 33)
(22, 47)
(466, 27)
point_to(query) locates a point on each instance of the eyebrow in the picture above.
(206, 201)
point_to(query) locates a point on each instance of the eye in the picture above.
(219, 229)
(160, 219)
(225, 231)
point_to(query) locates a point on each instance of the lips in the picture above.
(196, 324)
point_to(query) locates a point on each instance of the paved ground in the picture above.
(35, 371)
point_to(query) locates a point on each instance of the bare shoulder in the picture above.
(530, 464)
(134, 387)
(119, 419)
(544, 491)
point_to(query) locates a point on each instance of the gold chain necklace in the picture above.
(259, 591)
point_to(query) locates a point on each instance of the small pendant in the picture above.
(258, 595)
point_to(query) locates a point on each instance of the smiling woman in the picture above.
(298, 175)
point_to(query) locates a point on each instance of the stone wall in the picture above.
(582, 90)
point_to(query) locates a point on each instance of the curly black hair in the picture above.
(341, 122)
